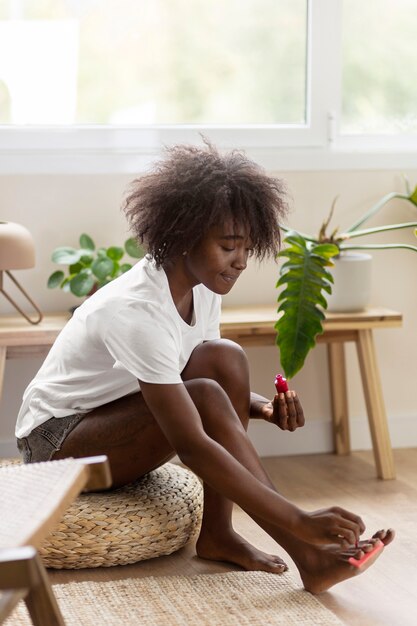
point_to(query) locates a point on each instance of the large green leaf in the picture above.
(87, 242)
(82, 283)
(115, 253)
(86, 258)
(75, 268)
(102, 267)
(305, 278)
(55, 279)
(65, 255)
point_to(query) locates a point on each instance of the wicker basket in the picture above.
(153, 516)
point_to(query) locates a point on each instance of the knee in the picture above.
(230, 365)
(226, 354)
(223, 361)
(227, 346)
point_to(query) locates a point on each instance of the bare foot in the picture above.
(323, 568)
(233, 548)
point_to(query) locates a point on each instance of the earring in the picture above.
(184, 253)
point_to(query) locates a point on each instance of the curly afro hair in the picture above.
(171, 208)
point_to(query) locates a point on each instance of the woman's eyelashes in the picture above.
(249, 251)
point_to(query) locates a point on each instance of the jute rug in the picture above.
(231, 599)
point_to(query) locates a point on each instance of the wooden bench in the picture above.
(254, 326)
(33, 499)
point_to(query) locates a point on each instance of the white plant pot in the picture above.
(351, 290)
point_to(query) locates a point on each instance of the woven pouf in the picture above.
(153, 516)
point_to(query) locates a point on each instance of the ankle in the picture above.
(213, 533)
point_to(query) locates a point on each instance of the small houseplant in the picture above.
(89, 268)
(306, 280)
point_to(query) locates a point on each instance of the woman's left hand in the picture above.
(285, 411)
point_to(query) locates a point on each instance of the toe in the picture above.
(386, 536)
(279, 568)
(270, 563)
(277, 563)
(368, 546)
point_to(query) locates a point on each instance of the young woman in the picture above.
(140, 372)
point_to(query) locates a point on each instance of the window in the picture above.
(141, 62)
(101, 85)
(379, 60)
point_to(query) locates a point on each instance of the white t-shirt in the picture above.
(127, 330)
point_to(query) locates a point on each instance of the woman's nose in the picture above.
(241, 260)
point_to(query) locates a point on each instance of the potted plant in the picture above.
(306, 279)
(90, 268)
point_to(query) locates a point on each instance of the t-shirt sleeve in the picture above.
(144, 344)
(213, 326)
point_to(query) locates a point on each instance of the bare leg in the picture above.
(225, 362)
(319, 567)
(126, 431)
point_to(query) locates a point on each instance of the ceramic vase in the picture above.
(351, 290)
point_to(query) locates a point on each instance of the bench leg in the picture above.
(338, 393)
(375, 405)
(22, 569)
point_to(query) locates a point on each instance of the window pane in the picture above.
(379, 66)
(153, 61)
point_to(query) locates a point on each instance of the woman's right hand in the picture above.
(330, 526)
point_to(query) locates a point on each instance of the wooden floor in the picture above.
(385, 595)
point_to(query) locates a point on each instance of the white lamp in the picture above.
(17, 252)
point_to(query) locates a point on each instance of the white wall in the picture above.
(57, 208)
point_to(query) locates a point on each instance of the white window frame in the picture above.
(316, 145)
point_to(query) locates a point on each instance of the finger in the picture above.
(291, 410)
(350, 531)
(275, 410)
(282, 412)
(345, 537)
(352, 517)
(366, 546)
(299, 410)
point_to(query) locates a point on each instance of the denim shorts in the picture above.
(47, 438)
